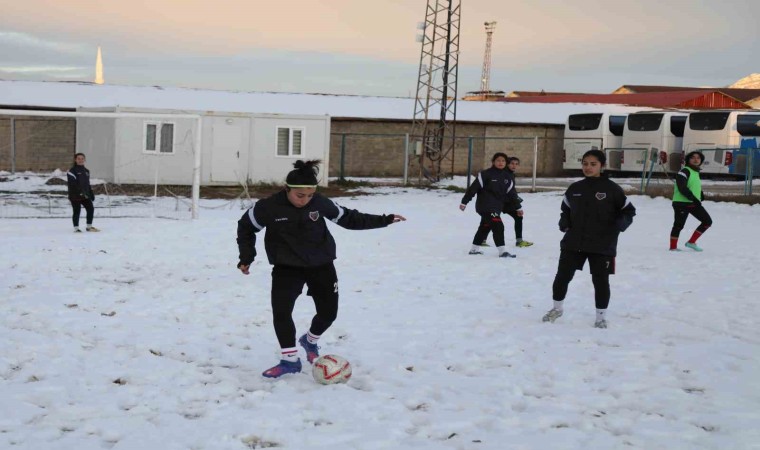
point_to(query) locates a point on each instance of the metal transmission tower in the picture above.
(485, 78)
(435, 107)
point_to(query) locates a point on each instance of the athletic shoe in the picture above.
(312, 350)
(283, 368)
(77, 230)
(524, 244)
(92, 229)
(600, 324)
(552, 315)
(475, 252)
(693, 246)
(674, 249)
(507, 255)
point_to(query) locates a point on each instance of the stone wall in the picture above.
(43, 144)
(375, 148)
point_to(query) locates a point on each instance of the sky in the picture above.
(145, 335)
(369, 48)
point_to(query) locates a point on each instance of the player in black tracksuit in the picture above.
(494, 187)
(594, 212)
(80, 192)
(301, 249)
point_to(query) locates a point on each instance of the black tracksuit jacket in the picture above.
(494, 188)
(298, 237)
(594, 212)
(79, 184)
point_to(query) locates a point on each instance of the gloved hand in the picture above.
(244, 268)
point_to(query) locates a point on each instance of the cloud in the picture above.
(40, 69)
(30, 41)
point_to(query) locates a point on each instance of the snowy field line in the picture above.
(145, 336)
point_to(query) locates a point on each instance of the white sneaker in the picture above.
(552, 315)
(600, 324)
(77, 230)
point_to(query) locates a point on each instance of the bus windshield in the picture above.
(617, 123)
(677, 124)
(644, 122)
(708, 121)
(584, 122)
(748, 124)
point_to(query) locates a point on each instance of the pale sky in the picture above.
(366, 47)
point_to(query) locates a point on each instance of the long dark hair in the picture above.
(304, 174)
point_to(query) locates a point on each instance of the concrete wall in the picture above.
(43, 144)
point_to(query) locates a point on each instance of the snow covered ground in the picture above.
(145, 336)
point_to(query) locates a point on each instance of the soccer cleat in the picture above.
(693, 246)
(524, 244)
(475, 252)
(92, 229)
(674, 249)
(284, 367)
(77, 230)
(507, 255)
(312, 350)
(552, 315)
(600, 324)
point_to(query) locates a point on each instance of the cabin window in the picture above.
(289, 141)
(159, 137)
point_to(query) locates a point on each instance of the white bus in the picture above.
(726, 138)
(658, 134)
(592, 131)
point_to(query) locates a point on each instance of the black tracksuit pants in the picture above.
(681, 212)
(490, 222)
(77, 207)
(287, 285)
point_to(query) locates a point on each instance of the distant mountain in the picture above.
(748, 82)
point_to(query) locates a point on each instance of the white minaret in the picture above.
(99, 68)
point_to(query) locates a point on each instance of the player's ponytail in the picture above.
(304, 174)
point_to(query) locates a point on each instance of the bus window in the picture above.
(582, 122)
(677, 124)
(748, 124)
(617, 123)
(644, 122)
(708, 121)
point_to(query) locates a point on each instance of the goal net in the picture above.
(141, 164)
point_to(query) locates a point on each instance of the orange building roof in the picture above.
(696, 99)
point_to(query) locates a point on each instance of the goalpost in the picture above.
(114, 204)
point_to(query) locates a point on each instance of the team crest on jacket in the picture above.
(601, 195)
(314, 215)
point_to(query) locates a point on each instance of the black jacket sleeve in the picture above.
(354, 220)
(682, 178)
(472, 190)
(75, 193)
(246, 236)
(625, 216)
(564, 216)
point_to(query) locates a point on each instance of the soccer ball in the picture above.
(331, 369)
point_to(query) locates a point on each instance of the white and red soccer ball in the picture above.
(331, 369)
